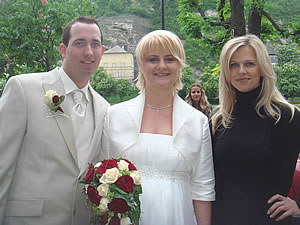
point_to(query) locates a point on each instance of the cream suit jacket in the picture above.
(39, 173)
(191, 137)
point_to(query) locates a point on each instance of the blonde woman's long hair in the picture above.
(203, 104)
(159, 39)
(269, 97)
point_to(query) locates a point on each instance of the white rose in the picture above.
(103, 204)
(123, 165)
(137, 179)
(110, 176)
(98, 164)
(125, 221)
(49, 95)
(103, 189)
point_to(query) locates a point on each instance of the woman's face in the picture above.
(195, 93)
(244, 69)
(160, 69)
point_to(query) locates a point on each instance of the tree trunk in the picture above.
(238, 27)
(254, 21)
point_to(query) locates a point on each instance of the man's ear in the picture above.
(62, 50)
(102, 50)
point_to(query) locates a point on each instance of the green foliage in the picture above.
(187, 80)
(210, 83)
(215, 29)
(103, 83)
(287, 53)
(288, 70)
(289, 79)
(2, 84)
(124, 88)
(30, 32)
(283, 11)
(114, 91)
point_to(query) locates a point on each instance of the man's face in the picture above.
(83, 53)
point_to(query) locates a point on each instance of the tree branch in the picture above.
(210, 41)
(220, 10)
(264, 13)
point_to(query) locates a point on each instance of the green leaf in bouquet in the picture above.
(61, 99)
(137, 189)
(53, 107)
(135, 216)
(114, 187)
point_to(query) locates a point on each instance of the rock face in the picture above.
(124, 31)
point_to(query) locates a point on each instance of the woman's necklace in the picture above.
(159, 108)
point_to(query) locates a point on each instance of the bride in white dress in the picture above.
(166, 139)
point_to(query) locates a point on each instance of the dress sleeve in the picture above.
(202, 177)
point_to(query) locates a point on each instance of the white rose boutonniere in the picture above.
(53, 100)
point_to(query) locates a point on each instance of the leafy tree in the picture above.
(289, 79)
(30, 32)
(231, 21)
(210, 83)
(288, 70)
(114, 91)
(125, 89)
(104, 84)
(187, 80)
(287, 53)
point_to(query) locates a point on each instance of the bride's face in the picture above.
(160, 69)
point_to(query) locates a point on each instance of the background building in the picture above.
(118, 63)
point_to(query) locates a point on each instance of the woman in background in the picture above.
(197, 98)
(256, 135)
(167, 139)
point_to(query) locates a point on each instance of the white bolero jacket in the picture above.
(191, 137)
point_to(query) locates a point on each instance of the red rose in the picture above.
(130, 166)
(118, 205)
(93, 195)
(55, 98)
(89, 177)
(115, 220)
(103, 219)
(107, 164)
(125, 183)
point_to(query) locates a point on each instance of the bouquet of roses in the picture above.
(112, 190)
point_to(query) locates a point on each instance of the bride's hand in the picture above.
(284, 205)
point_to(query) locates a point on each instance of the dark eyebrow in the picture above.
(82, 39)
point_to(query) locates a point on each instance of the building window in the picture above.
(113, 65)
(105, 65)
(117, 74)
(122, 64)
(122, 74)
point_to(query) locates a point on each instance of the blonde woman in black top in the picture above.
(255, 136)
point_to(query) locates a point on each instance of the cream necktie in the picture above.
(79, 107)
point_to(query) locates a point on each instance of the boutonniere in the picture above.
(53, 100)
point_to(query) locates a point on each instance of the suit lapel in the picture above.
(53, 82)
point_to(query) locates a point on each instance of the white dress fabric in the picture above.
(166, 197)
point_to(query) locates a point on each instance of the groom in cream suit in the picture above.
(44, 152)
